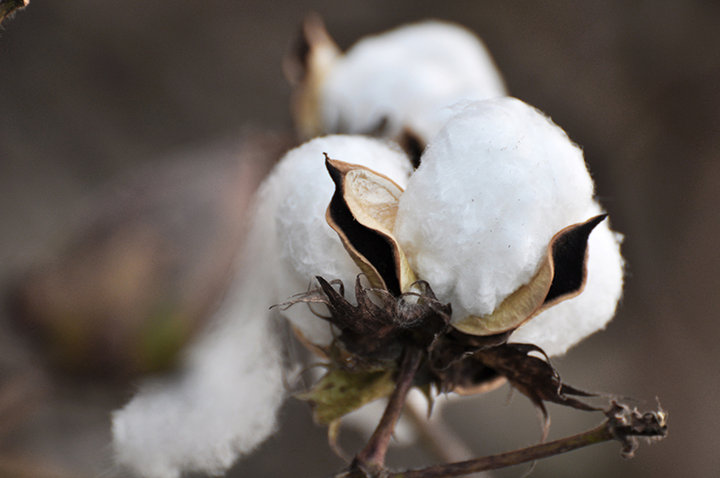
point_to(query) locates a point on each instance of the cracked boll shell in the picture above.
(560, 327)
(300, 190)
(493, 188)
(407, 76)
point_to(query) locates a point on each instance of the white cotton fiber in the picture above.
(562, 326)
(301, 189)
(223, 402)
(407, 76)
(493, 188)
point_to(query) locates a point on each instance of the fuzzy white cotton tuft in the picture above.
(493, 188)
(223, 403)
(301, 189)
(407, 77)
(567, 323)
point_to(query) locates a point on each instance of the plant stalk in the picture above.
(529, 454)
(372, 457)
(623, 424)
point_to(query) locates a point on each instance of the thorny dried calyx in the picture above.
(398, 316)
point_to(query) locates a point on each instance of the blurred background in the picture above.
(125, 123)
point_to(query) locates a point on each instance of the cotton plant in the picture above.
(476, 258)
(466, 272)
(494, 239)
(499, 194)
(398, 84)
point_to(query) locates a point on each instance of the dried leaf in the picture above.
(362, 212)
(561, 275)
(339, 392)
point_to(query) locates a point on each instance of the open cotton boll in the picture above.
(407, 77)
(560, 327)
(223, 402)
(301, 189)
(493, 188)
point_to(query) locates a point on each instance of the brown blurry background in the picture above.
(98, 92)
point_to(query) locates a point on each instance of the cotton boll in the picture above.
(407, 77)
(562, 326)
(493, 188)
(301, 189)
(223, 402)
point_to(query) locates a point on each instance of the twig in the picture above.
(623, 424)
(372, 457)
(8, 7)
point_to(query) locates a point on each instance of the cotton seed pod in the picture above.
(395, 82)
(299, 190)
(494, 187)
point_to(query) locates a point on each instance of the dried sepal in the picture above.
(362, 212)
(305, 69)
(375, 330)
(341, 391)
(532, 376)
(561, 275)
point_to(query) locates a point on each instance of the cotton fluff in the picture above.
(223, 403)
(493, 188)
(301, 189)
(407, 77)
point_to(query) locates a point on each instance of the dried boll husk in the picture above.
(391, 83)
(567, 323)
(297, 194)
(362, 212)
(496, 184)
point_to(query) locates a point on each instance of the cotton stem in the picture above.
(372, 457)
(623, 424)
